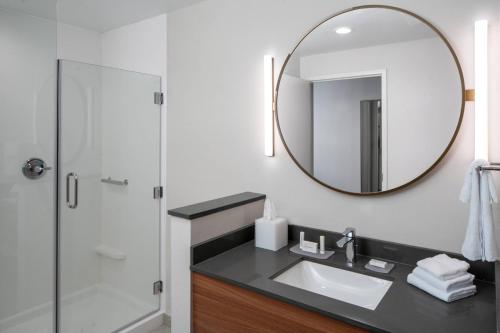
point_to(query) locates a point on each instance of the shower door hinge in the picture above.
(158, 98)
(157, 287)
(158, 192)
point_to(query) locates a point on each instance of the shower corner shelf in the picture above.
(110, 253)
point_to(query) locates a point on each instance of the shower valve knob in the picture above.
(35, 168)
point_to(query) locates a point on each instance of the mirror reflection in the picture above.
(369, 100)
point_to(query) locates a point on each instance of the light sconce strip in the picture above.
(481, 89)
(269, 105)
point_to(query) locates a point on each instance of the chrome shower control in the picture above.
(35, 168)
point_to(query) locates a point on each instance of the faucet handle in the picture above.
(349, 232)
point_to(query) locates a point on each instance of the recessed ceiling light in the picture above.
(343, 30)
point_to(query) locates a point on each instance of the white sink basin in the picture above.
(358, 289)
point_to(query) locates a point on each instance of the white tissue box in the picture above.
(271, 234)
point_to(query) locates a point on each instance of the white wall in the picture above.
(423, 98)
(337, 136)
(27, 129)
(137, 47)
(78, 44)
(215, 132)
(297, 125)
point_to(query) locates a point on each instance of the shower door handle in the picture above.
(75, 195)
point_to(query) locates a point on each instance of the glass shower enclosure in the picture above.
(79, 164)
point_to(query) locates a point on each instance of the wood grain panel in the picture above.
(219, 307)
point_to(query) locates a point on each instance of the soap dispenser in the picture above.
(271, 231)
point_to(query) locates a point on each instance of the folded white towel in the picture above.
(442, 295)
(479, 191)
(461, 281)
(444, 267)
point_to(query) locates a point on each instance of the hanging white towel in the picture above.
(479, 191)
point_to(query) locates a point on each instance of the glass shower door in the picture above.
(109, 220)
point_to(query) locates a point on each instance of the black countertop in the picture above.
(404, 309)
(198, 210)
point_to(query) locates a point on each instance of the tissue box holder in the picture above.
(271, 234)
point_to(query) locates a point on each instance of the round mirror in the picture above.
(370, 100)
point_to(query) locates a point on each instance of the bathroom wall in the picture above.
(137, 47)
(297, 99)
(27, 129)
(215, 125)
(78, 44)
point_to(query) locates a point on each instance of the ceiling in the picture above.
(42, 8)
(104, 15)
(370, 27)
(97, 15)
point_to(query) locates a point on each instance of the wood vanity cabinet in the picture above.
(219, 307)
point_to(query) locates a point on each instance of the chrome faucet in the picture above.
(349, 242)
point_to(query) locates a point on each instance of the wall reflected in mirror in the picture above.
(372, 108)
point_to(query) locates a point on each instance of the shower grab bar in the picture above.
(68, 200)
(115, 182)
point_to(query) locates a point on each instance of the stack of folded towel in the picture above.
(443, 277)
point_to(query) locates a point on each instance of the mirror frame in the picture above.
(448, 147)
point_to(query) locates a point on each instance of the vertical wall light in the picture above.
(269, 105)
(481, 89)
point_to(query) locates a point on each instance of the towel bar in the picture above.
(115, 182)
(492, 167)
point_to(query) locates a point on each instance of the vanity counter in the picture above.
(404, 309)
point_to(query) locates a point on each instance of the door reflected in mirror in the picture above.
(370, 100)
(349, 109)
